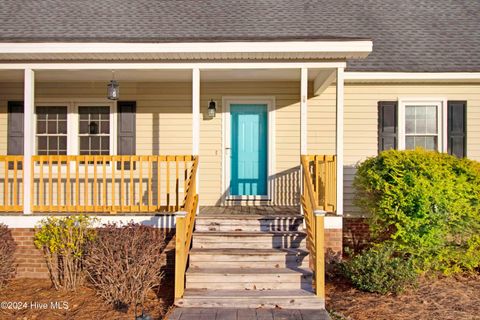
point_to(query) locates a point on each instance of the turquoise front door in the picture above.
(249, 143)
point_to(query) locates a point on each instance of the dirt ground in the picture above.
(434, 299)
(36, 297)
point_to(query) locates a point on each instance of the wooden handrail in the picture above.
(109, 184)
(319, 195)
(11, 180)
(185, 222)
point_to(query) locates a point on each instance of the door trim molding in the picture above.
(226, 102)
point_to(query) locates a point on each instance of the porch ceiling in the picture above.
(163, 75)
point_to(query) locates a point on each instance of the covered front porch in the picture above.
(83, 153)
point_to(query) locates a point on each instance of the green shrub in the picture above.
(427, 203)
(64, 241)
(380, 270)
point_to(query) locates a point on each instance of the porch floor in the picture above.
(250, 210)
(247, 314)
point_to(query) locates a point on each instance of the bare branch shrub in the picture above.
(7, 259)
(124, 263)
(64, 242)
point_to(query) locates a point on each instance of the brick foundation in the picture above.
(29, 260)
(333, 244)
(355, 233)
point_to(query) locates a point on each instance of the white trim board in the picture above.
(271, 107)
(172, 66)
(412, 76)
(166, 221)
(160, 221)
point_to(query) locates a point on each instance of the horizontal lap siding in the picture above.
(360, 135)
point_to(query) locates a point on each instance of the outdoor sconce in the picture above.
(113, 89)
(93, 127)
(212, 109)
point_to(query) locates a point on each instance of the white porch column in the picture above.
(196, 121)
(29, 107)
(303, 110)
(339, 138)
(195, 111)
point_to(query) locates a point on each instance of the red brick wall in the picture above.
(30, 261)
(333, 244)
(355, 233)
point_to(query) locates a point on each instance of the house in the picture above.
(148, 110)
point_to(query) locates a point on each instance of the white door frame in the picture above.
(226, 147)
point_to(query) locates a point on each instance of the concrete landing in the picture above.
(247, 314)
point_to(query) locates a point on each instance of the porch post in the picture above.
(303, 110)
(339, 138)
(29, 101)
(196, 119)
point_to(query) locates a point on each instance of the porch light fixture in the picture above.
(113, 89)
(212, 109)
(93, 127)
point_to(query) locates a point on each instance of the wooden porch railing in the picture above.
(11, 180)
(319, 185)
(185, 221)
(101, 184)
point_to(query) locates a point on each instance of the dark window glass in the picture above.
(51, 130)
(94, 130)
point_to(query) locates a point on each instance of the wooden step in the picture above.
(248, 258)
(249, 223)
(252, 279)
(285, 299)
(265, 240)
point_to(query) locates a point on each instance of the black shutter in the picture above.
(15, 130)
(457, 128)
(387, 125)
(126, 136)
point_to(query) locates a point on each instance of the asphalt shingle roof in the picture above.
(408, 35)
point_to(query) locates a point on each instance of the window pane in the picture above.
(52, 144)
(62, 143)
(409, 126)
(41, 127)
(62, 126)
(105, 143)
(84, 145)
(94, 143)
(431, 143)
(51, 127)
(409, 143)
(105, 127)
(420, 126)
(42, 143)
(83, 127)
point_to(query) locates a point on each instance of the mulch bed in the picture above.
(436, 299)
(83, 304)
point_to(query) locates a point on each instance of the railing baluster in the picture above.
(177, 185)
(5, 182)
(77, 183)
(140, 185)
(67, 185)
(159, 199)
(168, 184)
(104, 183)
(122, 182)
(50, 185)
(150, 183)
(113, 164)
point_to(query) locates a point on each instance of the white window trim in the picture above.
(226, 102)
(441, 104)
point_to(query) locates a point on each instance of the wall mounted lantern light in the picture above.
(113, 89)
(93, 127)
(212, 109)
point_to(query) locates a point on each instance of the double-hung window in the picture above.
(422, 123)
(94, 130)
(51, 130)
(421, 127)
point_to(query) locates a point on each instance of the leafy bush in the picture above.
(124, 263)
(380, 270)
(7, 259)
(427, 203)
(64, 241)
